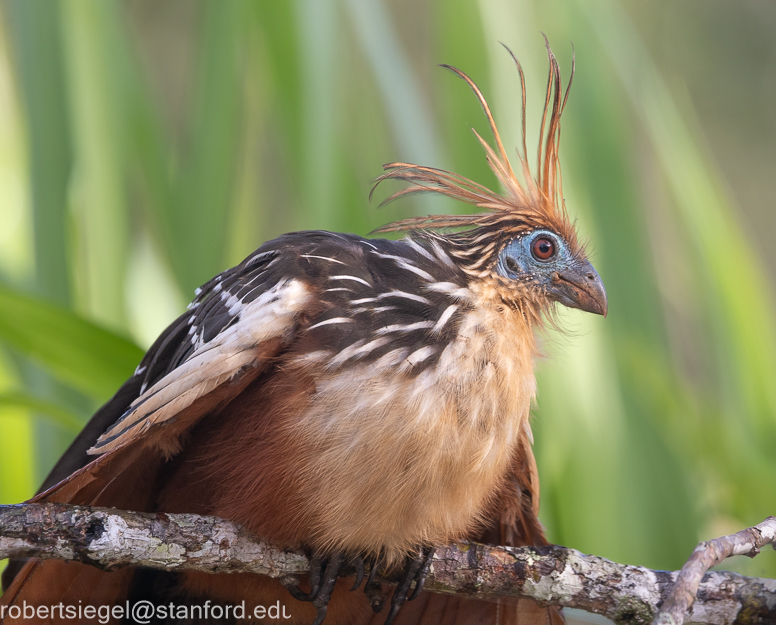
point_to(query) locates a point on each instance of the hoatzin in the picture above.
(358, 398)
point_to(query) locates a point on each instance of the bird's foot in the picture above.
(324, 571)
(416, 571)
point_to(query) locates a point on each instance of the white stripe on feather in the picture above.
(451, 289)
(346, 353)
(405, 264)
(442, 255)
(354, 278)
(359, 349)
(392, 358)
(405, 295)
(333, 260)
(378, 309)
(330, 321)
(256, 257)
(371, 346)
(449, 312)
(418, 248)
(410, 327)
(416, 357)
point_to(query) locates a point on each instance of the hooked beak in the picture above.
(580, 287)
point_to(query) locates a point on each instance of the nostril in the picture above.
(591, 276)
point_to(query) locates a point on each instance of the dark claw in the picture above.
(374, 593)
(416, 571)
(373, 572)
(359, 562)
(317, 565)
(321, 601)
(420, 580)
(324, 572)
(374, 590)
(292, 586)
(400, 594)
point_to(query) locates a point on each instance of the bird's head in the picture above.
(525, 245)
(550, 269)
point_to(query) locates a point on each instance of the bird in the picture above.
(363, 399)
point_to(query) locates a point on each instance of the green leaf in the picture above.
(204, 189)
(38, 52)
(99, 203)
(74, 350)
(47, 409)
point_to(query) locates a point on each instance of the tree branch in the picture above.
(710, 553)
(111, 539)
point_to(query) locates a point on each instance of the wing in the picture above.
(253, 335)
(239, 321)
(231, 332)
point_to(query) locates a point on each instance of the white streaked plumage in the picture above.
(444, 318)
(333, 260)
(354, 278)
(344, 354)
(392, 358)
(331, 321)
(452, 290)
(419, 355)
(409, 327)
(374, 311)
(442, 255)
(403, 263)
(413, 296)
(370, 346)
(418, 248)
(257, 257)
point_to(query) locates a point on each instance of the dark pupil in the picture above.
(543, 248)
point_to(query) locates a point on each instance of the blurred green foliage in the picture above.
(146, 146)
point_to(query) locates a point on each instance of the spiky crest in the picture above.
(537, 202)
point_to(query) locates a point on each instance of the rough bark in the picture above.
(111, 539)
(707, 554)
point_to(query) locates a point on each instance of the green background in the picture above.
(146, 146)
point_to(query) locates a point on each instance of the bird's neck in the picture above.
(510, 310)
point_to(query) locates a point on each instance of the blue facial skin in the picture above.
(564, 278)
(517, 262)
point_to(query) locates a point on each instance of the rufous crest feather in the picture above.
(534, 202)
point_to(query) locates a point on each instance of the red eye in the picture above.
(543, 248)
